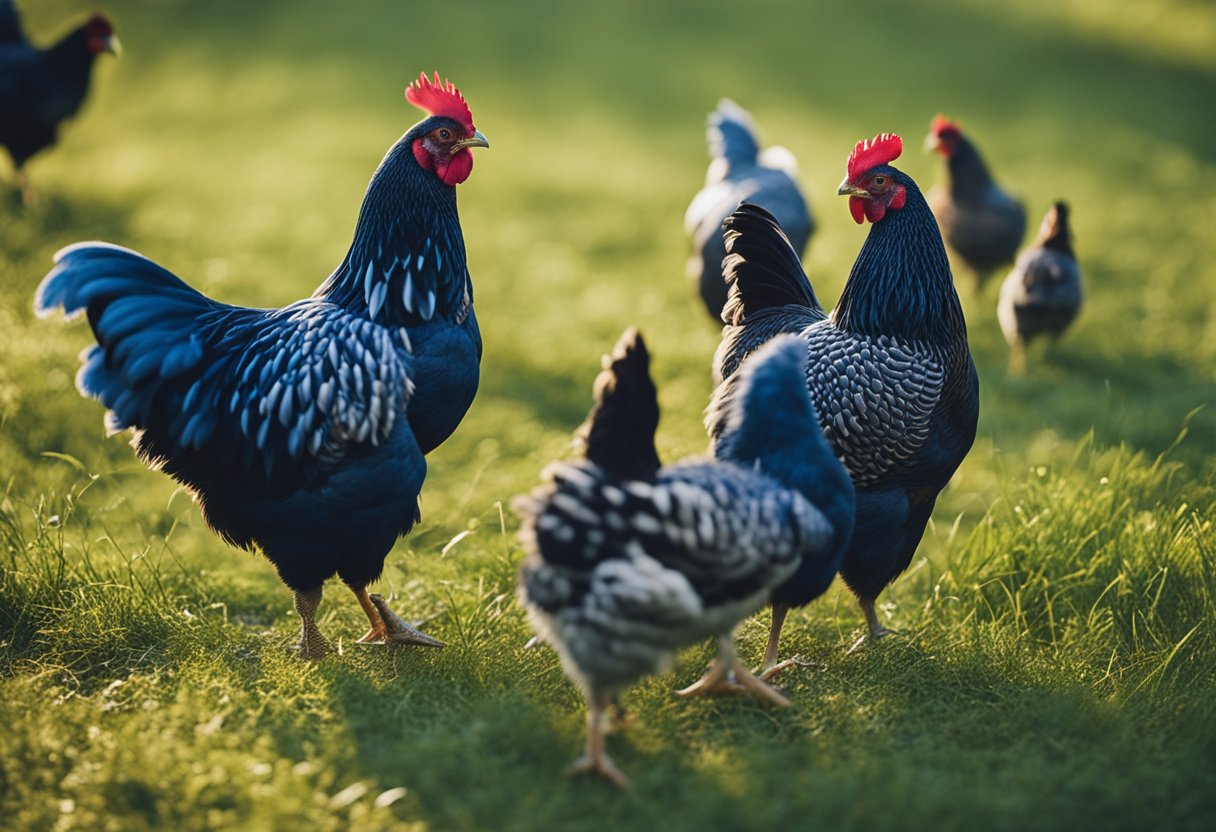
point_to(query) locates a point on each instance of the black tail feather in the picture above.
(619, 432)
(1055, 232)
(761, 269)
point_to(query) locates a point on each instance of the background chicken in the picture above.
(890, 371)
(39, 88)
(740, 172)
(1042, 294)
(980, 222)
(627, 562)
(301, 430)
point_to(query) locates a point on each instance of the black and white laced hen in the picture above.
(890, 370)
(40, 88)
(1042, 295)
(629, 561)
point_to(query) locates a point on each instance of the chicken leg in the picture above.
(595, 759)
(771, 667)
(727, 675)
(387, 625)
(875, 629)
(312, 644)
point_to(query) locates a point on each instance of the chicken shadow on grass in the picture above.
(492, 752)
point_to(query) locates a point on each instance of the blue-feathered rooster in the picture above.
(890, 371)
(629, 561)
(301, 431)
(740, 172)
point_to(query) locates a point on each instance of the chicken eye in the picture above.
(444, 134)
(880, 181)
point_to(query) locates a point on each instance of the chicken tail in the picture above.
(619, 432)
(762, 270)
(731, 135)
(144, 318)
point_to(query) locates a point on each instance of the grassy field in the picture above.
(1057, 667)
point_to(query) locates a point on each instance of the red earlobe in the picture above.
(422, 155)
(901, 196)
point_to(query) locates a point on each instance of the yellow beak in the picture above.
(847, 189)
(476, 140)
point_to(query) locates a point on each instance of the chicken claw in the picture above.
(595, 759)
(396, 630)
(732, 677)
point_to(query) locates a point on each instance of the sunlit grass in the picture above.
(1056, 665)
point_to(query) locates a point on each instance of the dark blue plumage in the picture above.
(982, 223)
(740, 172)
(40, 88)
(890, 371)
(302, 430)
(629, 561)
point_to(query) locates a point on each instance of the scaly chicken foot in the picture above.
(389, 626)
(767, 674)
(727, 675)
(874, 628)
(770, 666)
(595, 759)
(312, 645)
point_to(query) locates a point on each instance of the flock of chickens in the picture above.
(980, 222)
(303, 431)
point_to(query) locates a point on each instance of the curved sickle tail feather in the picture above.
(761, 268)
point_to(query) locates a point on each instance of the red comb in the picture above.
(941, 124)
(440, 99)
(870, 153)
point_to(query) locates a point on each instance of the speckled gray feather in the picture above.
(633, 570)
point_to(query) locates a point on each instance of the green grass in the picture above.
(1058, 662)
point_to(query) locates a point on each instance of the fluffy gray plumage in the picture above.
(1042, 294)
(648, 568)
(740, 172)
(622, 572)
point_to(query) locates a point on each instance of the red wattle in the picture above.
(875, 210)
(458, 167)
(857, 207)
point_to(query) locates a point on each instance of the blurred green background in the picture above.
(1058, 665)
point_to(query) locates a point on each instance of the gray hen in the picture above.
(740, 172)
(629, 561)
(1042, 294)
